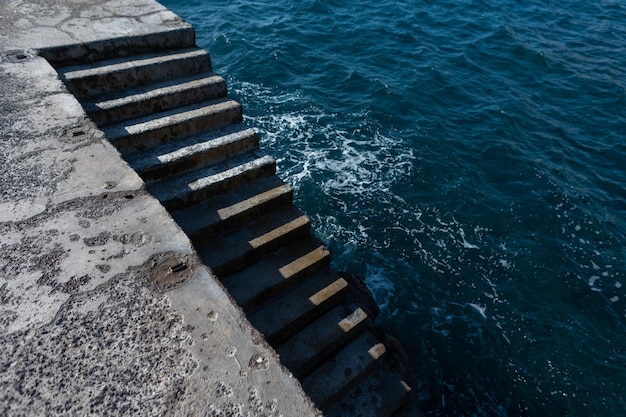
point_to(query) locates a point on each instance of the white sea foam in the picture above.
(593, 279)
(466, 244)
(383, 289)
(309, 144)
(482, 310)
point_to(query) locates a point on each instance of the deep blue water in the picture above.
(467, 159)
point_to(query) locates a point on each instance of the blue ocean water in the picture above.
(467, 159)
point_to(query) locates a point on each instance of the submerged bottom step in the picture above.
(382, 394)
(348, 367)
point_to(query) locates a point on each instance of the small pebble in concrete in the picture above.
(259, 362)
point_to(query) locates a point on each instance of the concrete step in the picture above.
(381, 394)
(281, 318)
(192, 187)
(120, 73)
(276, 272)
(306, 350)
(139, 101)
(163, 40)
(192, 152)
(240, 248)
(153, 130)
(350, 365)
(223, 212)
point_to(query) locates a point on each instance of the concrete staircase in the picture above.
(170, 117)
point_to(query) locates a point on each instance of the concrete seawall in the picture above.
(92, 318)
(128, 171)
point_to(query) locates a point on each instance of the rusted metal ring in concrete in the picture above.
(173, 271)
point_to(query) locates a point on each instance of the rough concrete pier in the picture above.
(127, 171)
(95, 316)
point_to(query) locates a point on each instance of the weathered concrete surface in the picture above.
(50, 23)
(104, 307)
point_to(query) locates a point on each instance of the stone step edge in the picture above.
(318, 304)
(192, 218)
(334, 370)
(227, 218)
(381, 394)
(262, 245)
(179, 192)
(336, 335)
(117, 47)
(174, 124)
(291, 274)
(152, 98)
(161, 162)
(117, 74)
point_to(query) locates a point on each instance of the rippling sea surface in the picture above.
(468, 160)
